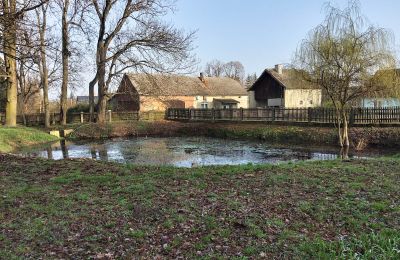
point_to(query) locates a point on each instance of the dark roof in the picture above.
(177, 85)
(289, 79)
(227, 101)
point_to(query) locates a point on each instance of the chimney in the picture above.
(279, 68)
(201, 76)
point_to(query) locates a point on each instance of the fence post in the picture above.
(109, 115)
(273, 114)
(81, 117)
(213, 114)
(190, 114)
(241, 114)
(309, 114)
(352, 117)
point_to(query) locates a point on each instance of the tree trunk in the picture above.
(91, 98)
(22, 94)
(339, 126)
(65, 65)
(101, 85)
(10, 43)
(346, 141)
(44, 71)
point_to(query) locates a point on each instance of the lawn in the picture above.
(88, 209)
(12, 138)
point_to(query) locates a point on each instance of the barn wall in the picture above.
(252, 99)
(302, 98)
(267, 88)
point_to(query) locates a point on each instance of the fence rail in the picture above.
(38, 119)
(357, 116)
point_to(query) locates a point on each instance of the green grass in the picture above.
(12, 138)
(310, 210)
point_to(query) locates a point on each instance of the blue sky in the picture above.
(262, 33)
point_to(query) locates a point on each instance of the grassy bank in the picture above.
(12, 138)
(88, 209)
(361, 137)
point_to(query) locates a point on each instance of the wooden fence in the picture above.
(38, 119)
(357, 116)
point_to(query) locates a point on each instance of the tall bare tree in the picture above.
(41, 14)
(234, 70)
(215, 68)
(132, 36)
(341, 55)
(27, 76)
(11, 13)
(73, 13)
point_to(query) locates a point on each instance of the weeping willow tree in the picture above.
(341, 55)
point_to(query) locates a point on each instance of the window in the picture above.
(311, 102)
(204, 105)
(301, 102)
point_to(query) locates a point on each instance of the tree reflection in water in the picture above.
(64, 149)
(191, 152)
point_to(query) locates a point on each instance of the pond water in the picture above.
(186, 151)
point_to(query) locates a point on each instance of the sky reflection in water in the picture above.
(183, 152)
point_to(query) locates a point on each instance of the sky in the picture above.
(262, 33)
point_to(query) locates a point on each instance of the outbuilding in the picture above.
(284, 88)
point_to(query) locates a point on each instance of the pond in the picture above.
(186, 151)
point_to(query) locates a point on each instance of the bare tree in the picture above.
(41, 15)
(73, 13)
(234, 70)
(11, 13)
(215, 68)
(27, 76)
(132, 36)
(341, 55)
(3, 87)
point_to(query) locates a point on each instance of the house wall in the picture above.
(302, 98)
(161, 103)
(199, 100)
(380, 102)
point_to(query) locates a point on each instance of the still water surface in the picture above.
(186, 151)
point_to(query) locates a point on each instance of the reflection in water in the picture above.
(93, 152)
(49, 152)
(64, 149)
(182, 152)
